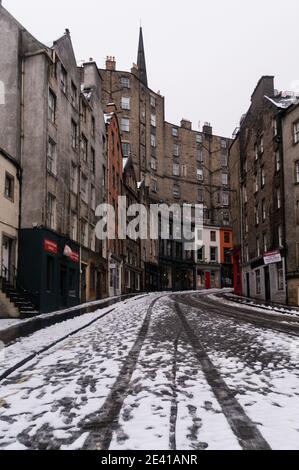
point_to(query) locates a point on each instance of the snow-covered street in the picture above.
(157, 372)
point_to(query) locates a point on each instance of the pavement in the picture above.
(167, 371)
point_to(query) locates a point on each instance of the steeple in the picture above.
(141, 59)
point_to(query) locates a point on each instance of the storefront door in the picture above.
(208, 280)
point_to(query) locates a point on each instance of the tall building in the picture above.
(179, 165)
(52, 124)
(264, 176)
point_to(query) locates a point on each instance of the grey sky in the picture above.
(204, 56)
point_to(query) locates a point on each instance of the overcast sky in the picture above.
(204, 56)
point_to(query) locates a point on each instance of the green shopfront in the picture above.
(49, 269)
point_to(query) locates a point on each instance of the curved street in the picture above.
(163, 371)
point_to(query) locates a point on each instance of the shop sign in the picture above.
(272, 257)
(50, 247)
(72, 255)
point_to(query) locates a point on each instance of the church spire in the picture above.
(141, 59)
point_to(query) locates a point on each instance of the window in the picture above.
(51, 211)
(246, 253)
(280, 236)
(84, 235)
(176, 169)
(297, 172)
(84, 146)
(184, 170)
(213, 254)
(74, 226)
(261, 146)
(154, 186)
(224, 159)
(264, 211)
(198, 138)
(280, 276)
(255, 184)
(63, 79)
(277, 160)
(246, 224)
(126, 149)
(125, 82)
(93, 160)
(224, 179)
(74, 135)
(265, 244)
(256, 152)
(154, 164)
(258, 247)
(201, 254)
(226, 237)
(93, 126)
(258, 282)
(199, 156)
(223, 144)
(74, 178)
(200, 174)
(256, 215)
(93, 198)
(125, 124)
(84, 113)
(51, 157)
(296, 132)
(153, 120)
(84, 189)
(263, 177)
(9, 187)
(278, 198)
(200, 195)
(274, 127)
(175, 132)
(125, 103)
(153, 102)
(176, 151)
(225, 198)
(153, 141)
(227, 256)
(176, 191)
(213, 236)
(52, 107)
(74, 94)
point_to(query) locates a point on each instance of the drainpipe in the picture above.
(280, 115)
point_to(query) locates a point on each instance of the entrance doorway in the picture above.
(267, 284)
(83, 283)
(208, 280)
(247, 284)
(7, 258)
(63, 286)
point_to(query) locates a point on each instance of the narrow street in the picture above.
(163, 371)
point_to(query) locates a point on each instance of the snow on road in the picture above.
(133, 381)
(261, 367)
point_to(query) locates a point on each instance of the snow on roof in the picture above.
(125, 162)
(284, 100)
(107, 117)
(139, 184)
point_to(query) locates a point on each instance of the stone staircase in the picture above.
(22, 306)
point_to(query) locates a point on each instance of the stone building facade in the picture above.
(54, 128)
(178, 164)
(263, 165)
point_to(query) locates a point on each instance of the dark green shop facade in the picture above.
(49, 269)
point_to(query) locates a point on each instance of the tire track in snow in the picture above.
(244, 429)
(106, 422)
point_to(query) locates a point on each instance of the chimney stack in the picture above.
(110, 63)
(185, 124)
(207, 128)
